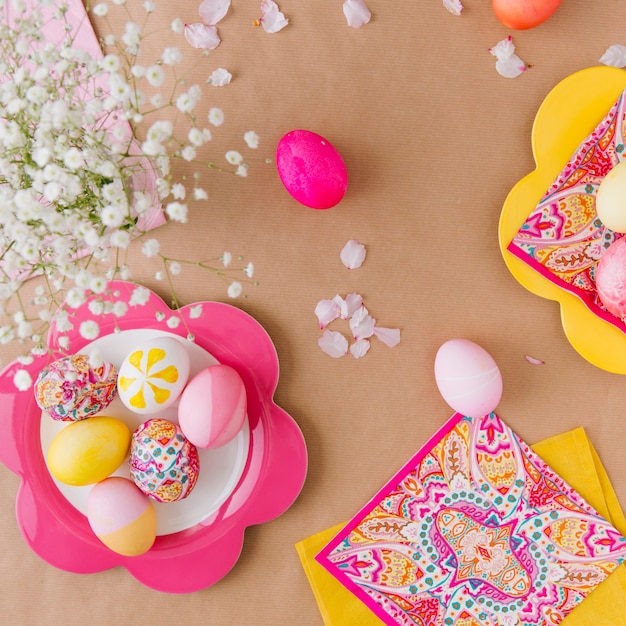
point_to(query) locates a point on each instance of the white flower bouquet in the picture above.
(78, 179)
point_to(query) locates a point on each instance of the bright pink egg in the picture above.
(311, 169)
(611, 278)
(213, 406)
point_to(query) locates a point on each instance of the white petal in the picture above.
(326, 311)
(202, 36)
(333, 343)
(362, 324)
(220, 77)
(353, 302)
(356, 12)
(212, 11)
(389, 336)
(359, 348)
(343, 307)
(511, 67)
(615, 56)
(454, 6)
(353, 254)
(273, 20)
(504, 49)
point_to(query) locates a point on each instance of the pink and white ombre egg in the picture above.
(212, 407)
(611, 278)
(468, 378)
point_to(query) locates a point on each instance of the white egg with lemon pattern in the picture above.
(153, 375)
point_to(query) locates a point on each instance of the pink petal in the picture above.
(202, 36)
(511, 67)
(362, 324)
(359, 348)
(534, 361)
(356, 13)
(326, 311)
(389, 336)
(333, 343)
(353, 303)
(212, 11)
(273, 20)
(343, 307)
(353, 254)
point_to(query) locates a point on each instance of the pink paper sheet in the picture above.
(474, 529)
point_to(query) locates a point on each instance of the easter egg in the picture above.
(70, 389)
(121, 516)
(311, 169)
(152, 376)
(468, 378)
(524, 14)
(611, 199)
(611, 278)
(212, 407)
(164, 464)
(87, 451)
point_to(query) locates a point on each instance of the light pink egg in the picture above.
(611, 278)
(212, 407)
(468, 378)
(311, 169)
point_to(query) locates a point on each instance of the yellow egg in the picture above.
(611, 199)
(88, 451)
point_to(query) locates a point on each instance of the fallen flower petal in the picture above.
(359, 348)
(533, 361)
(343, 307)
(615, 56)
(389, 336)
(202, 36)
(362, 324)
(508, 64)
(353, 303)
(333, 343)
(326, 311)
(356, 12)
(272, 19)
(220, 77)
(454, 6)
(353, 254)
(212, 11)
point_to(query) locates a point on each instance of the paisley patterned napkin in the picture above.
(476, 530)
(562, 238)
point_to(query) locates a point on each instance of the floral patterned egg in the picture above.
(163, 463)
(70, 389)
(153, 375)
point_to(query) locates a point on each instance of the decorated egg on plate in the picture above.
(88, 451)
(70, 389)
(611, 278)
(163, 463)
(121, 516)
(212, 407)
(153, 375)
(311, 169)
(611, 199)
(468, 378)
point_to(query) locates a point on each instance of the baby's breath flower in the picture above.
(101, 9)
(22, 380)
(175, 268)
(234, 289)
(234, 157)
(177, 26)
(251, 139)
(89, 329)
(171, 56)
(227, 259)
(150, 247)
(216, 116)
(200, 194)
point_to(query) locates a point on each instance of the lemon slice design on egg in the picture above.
(149, 378)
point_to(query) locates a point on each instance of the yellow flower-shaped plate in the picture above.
(569, 113)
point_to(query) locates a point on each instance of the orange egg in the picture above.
(524, 14)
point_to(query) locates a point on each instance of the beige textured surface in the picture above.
(433, 140)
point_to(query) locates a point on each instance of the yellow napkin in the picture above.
(572, 456)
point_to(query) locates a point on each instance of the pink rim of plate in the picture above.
(200, 556)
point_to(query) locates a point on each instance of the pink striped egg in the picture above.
(212, 407)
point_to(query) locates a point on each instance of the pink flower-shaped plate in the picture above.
(197, 557)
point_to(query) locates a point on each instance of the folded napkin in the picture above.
(604, 606)
(562, 238)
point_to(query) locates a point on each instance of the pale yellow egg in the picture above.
(611, 199)
(88, 451)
